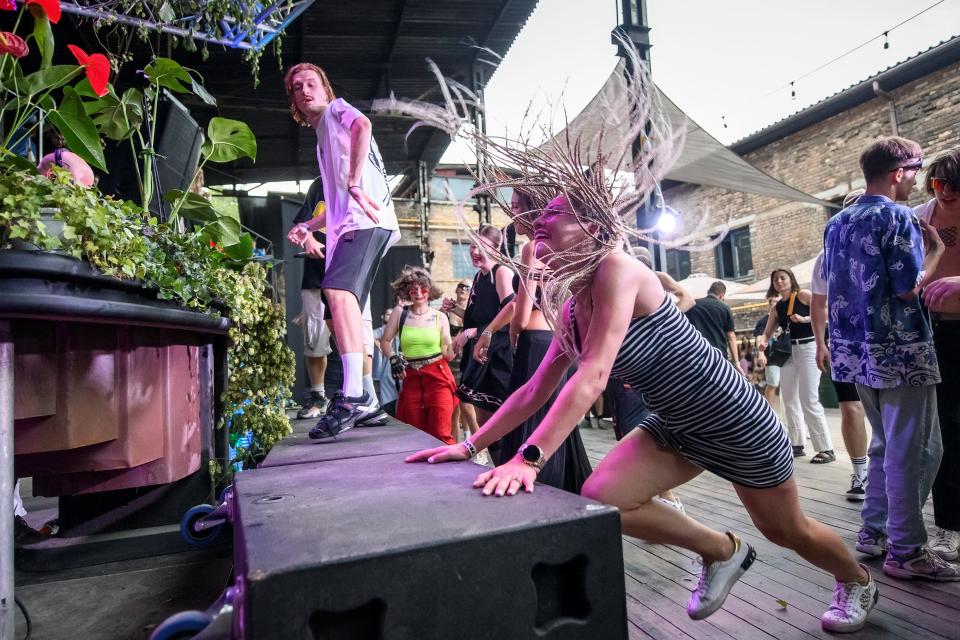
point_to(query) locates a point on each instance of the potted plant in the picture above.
(207, 269)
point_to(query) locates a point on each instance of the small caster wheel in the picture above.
(192, 533)
(181, 626)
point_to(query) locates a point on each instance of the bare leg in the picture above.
(482, 416)
(347, 327)
(776, 513)
(636, 470)
(468, 416)
(853, 429)
(316, 370)
(455, 422)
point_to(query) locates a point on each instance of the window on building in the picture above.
(678, 263)
(733, 255)
(462, 266)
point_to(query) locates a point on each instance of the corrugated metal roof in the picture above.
(368, 48)
(936, 57)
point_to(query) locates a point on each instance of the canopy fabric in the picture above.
(704, 160)
(758, 290)
(697, 284)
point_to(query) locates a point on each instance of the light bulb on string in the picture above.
(793, 91)
(886, 40)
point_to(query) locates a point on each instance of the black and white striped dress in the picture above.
(701, 406)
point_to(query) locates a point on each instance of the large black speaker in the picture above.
(178, 143)
(373, 548)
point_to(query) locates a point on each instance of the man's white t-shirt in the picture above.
(818, 283)
(333, 157)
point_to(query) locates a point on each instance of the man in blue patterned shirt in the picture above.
(880, 339)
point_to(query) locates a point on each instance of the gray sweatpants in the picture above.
(904, 454)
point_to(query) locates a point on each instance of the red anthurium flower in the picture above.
(13, 44)
(50, 7)
(97, 68)
(8, 5)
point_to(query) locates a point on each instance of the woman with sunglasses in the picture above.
(942, 298)
(427, 398)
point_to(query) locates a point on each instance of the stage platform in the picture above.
(125, 600)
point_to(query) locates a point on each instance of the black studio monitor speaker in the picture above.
(178, 143)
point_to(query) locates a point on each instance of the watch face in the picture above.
(532, 453)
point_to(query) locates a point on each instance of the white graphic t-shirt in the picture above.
(333, 156)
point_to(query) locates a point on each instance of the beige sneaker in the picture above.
(924, 564)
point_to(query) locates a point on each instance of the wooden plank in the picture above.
(659, 578)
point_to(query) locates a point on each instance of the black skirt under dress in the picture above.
(486, 385)
(569, 467)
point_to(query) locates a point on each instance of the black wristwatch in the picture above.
(532, 455)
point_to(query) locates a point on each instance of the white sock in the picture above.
(369, 388)
(352, 374)
(859, 466)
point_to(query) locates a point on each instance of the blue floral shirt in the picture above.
(873, 252)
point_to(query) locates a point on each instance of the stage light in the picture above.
(667, 222)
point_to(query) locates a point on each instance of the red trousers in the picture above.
(427, 401)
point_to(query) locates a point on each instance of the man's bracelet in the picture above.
(488, 333)
(470, 447)
(352, 187)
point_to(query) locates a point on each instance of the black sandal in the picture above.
(823, 457)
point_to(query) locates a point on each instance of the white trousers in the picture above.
(800, 392)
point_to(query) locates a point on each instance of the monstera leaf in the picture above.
(228, 140)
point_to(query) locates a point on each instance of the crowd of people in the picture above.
(540, 340)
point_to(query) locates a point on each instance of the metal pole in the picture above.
(7, 605)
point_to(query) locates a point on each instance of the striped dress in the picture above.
(701, 406)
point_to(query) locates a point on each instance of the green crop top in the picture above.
(420, 342)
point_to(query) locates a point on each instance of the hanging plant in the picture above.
(249, 26)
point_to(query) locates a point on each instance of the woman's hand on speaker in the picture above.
(507, 479)
(451, 453)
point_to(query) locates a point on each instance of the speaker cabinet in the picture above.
(373, 548)
(394, 437)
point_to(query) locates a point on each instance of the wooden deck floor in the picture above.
(659, 578)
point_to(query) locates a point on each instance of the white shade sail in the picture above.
(704, 160)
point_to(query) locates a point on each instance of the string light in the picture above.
(886, 45)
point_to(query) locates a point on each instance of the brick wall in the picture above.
(821, 160)
(444, 231)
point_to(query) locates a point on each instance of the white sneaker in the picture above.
(852, 602)
(857, 491)
(717, 578)
(946, 544)
(675, 503)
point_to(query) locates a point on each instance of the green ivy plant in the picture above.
(123, 241)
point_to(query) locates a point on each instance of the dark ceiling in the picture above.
(368, 48)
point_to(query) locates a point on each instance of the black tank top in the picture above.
(484, 303)
(798, 330)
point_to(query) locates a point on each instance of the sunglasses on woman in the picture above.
(939, 184)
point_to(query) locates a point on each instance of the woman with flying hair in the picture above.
(611, 316)
(427, 399)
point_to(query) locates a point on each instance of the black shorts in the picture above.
(355, 263)
(846, 391)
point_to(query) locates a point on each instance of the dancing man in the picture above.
(360, 225)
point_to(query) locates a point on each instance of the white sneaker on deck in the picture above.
(852, 602)
(946, 543)
(717, 578)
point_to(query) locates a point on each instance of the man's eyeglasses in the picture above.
(463, 287)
